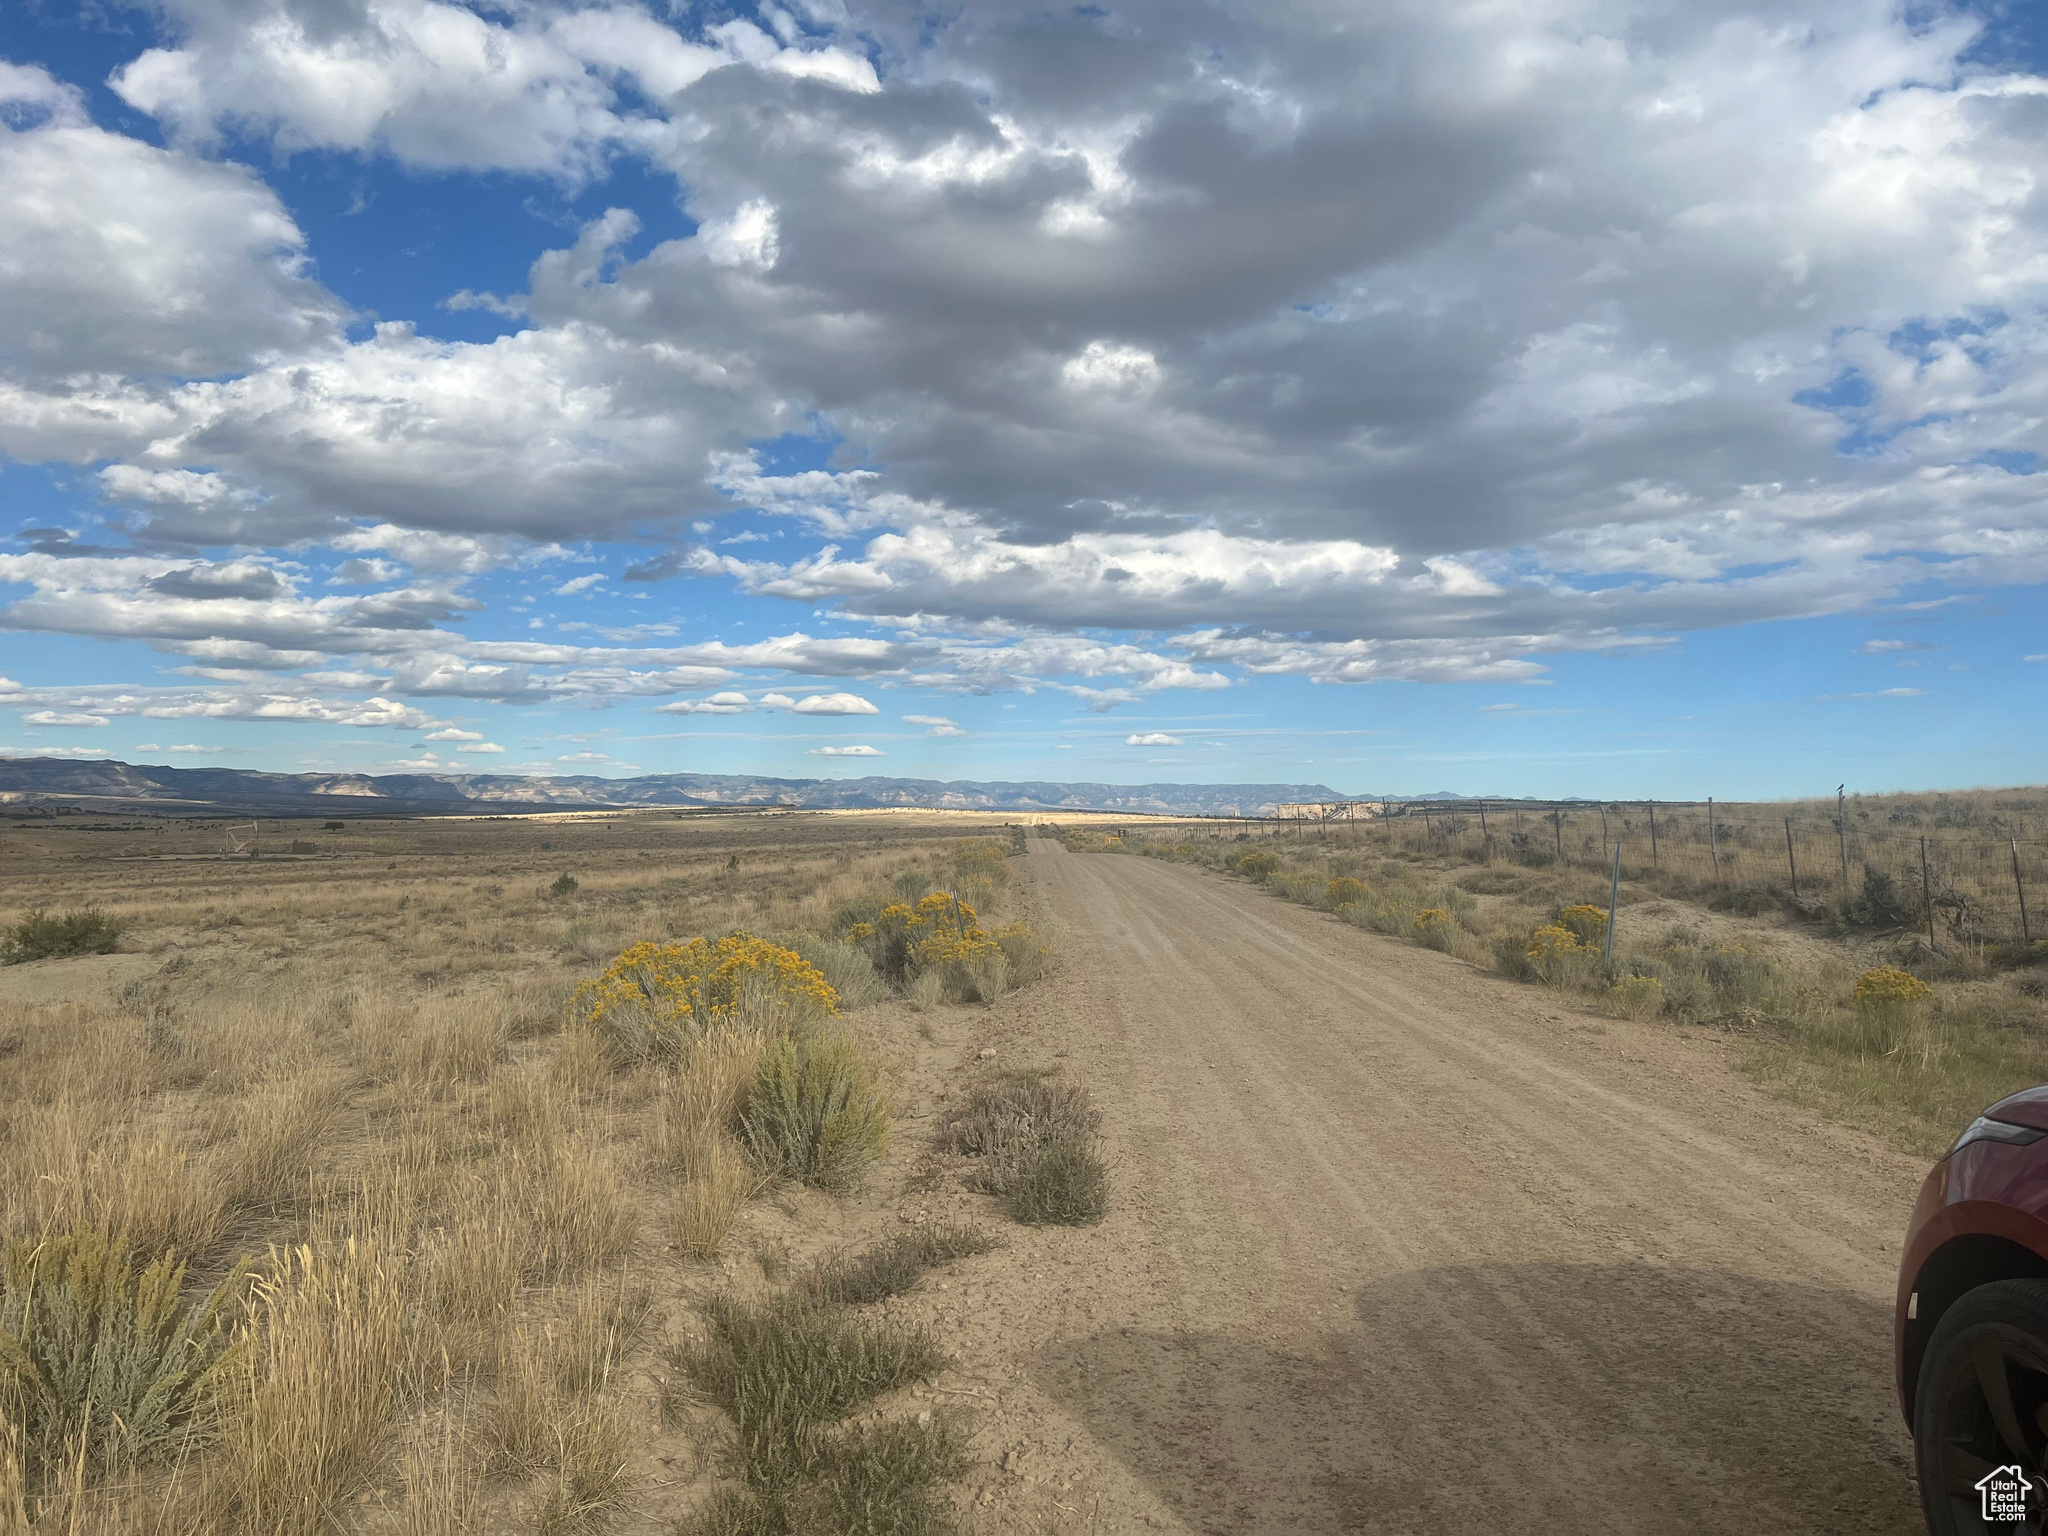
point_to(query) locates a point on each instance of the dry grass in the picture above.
(320, 1390)
(353, 1072)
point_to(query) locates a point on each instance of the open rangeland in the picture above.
(1393, 1239)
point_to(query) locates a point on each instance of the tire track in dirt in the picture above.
(1400, 1246)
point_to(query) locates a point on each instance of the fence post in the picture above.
(1613, 898)
(1653, 834)
(1713, 847)
(1926, 891)
(1842, 836)
(1603, 831)
(2021, 886)
(1557, 831)
(1791, 861)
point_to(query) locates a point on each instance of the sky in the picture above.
(1563, 397)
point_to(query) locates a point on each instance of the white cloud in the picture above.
(481, 746)
(1885, 647)
(454, 733)
(577, 584)
(716, 704)
(833, 704)
(1881, 693)
(940, 725)
(50, 717)
(124, 258)
(846, 752)
(1151, 739)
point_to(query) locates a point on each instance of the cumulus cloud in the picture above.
(1151, 739)
(122, 258)
(54, 718)
(1411, 350)
(940, 725)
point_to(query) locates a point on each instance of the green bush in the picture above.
(846, 966)
(565, 885)
(815, 1111)
(95, 1358)
(40, 936)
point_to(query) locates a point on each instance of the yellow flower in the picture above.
(1889, 984)
(1343, 891)
(1588, 924)
(706, 981)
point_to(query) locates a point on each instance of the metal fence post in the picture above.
(1842, 836)
(1791, 861)
(1557, 832)
(1713, 847)
(1613, 898)
(1653, 834)
(2021, 886)
(1926, 891)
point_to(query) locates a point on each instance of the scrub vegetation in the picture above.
(386, 1188)
(1843, 1004)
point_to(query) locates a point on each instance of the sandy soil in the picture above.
(1400, 1246)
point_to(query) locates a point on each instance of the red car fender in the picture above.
(1988, 1189)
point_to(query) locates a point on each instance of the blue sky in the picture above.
(1612, 400)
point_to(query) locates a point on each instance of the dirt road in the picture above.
(1400, 1246)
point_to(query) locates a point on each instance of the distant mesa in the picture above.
(114, 786)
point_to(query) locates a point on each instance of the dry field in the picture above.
(1407, 1227)
(329, 1202)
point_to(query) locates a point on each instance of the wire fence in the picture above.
(1956, 886)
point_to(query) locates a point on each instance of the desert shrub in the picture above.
(1559, 958)
(565, 885)
(1344, 891)
(100, 1362)
(789, 1369)
(940, 936)
(815, 1111)
(1257, 865)
(39, 936)
(1878, 904)
(985, 861)
(1890, 1005)
(1513, 955)
(893, 1266)
(1022, 951)
(654, 998)
(1039, 1142)
(845, 967)
(1586, 923)
(1433, 926)
(1531, 851)
(1744, 900)
(1636, 997)
(912, 885)
(1061, 1184)
(1303, 885)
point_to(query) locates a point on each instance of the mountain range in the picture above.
(107, 785)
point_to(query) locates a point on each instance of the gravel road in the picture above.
(1400, 1246)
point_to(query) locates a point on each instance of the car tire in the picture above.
(1984, 1386)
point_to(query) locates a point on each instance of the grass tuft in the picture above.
(1039, 1140)
(789, 1369)
(890, 1268)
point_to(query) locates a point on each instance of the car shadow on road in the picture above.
(1526, 1397)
